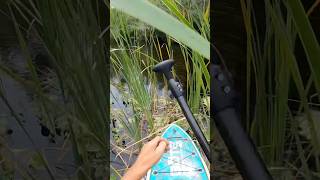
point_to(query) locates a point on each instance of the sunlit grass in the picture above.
(134, 51)
(75, 40)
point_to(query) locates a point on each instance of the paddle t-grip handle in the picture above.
(165, 68)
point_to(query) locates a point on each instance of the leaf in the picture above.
(172, 6)
(308, 38)
(154, 16)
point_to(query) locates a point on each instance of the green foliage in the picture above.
(273, 66)
(194, 15)
(75, 39)
(135, 49)
(156, 17)
(308, 38)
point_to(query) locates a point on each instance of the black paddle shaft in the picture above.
(176, 89)
(240, 145)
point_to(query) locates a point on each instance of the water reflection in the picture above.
(24, 107)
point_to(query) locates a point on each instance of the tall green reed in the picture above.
(75, 41)
(128, 60)
(198, 78)
(273, 66)
(185, 34)
(196, 16)
(73, 38)
(161, 20)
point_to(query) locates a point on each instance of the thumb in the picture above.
(161, 147)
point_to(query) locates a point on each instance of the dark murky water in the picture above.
(23, 105)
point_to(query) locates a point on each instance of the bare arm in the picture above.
(149, 155)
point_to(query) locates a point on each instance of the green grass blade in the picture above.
(172, 6)
(308, 38)
(154, 16)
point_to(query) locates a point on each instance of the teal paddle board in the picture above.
(182, 161)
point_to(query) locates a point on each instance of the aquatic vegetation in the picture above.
(277, 79)
(76, 50)
(136, 47)
(67, 80)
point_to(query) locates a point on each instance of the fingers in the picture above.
(162, 147)
(166, 141)
(155, 141)
(162, 139)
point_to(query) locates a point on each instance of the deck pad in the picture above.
(182, 161)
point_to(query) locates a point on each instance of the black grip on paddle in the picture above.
(165, 68)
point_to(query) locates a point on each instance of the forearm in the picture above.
(136, 172)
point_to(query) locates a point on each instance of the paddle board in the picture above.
(182, 161)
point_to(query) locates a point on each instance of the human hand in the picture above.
(149, 155)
